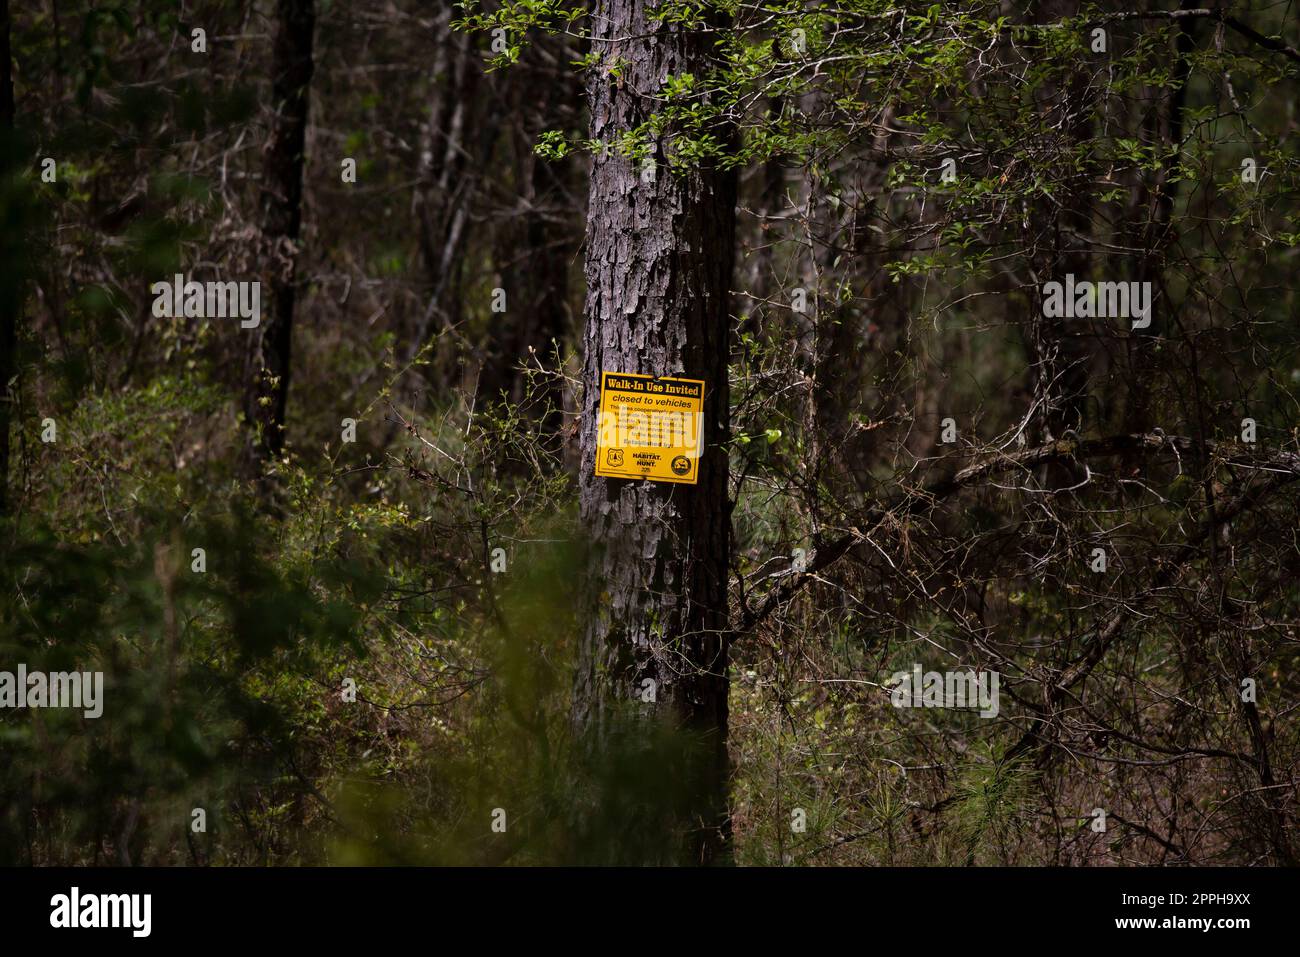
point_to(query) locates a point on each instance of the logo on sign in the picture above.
(614, 457)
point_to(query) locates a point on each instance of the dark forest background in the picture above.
(431, 644)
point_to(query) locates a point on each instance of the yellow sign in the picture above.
(650, 428)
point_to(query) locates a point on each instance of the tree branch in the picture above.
(1284, 465)
(1217, 15)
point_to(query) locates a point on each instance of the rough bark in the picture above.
(281, 211)
(658, 265)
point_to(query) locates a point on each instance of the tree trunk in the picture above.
(658, 266)
(291, 71)
(1062, 352)
(10, 292)
(455, 150)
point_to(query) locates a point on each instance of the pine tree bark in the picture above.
(658, 267)
(281, 209)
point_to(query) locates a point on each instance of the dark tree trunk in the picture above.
(6, 70)
(1151, 230)
(281, 208)
(10, 292)
(658, 267)
(1062, 352)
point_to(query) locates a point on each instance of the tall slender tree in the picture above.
(281, 211)
(658, 266)
(9, 289)
(454, 153)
